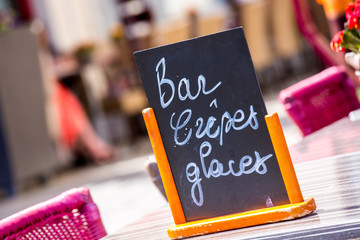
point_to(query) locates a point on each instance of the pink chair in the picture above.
(320, 100)
(71, 215)
(313, 36)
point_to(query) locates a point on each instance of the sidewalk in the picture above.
(122, 190)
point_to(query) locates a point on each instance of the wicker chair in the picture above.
(320, 100)
(71, 215)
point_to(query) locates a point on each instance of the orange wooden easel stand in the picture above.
(297, 207)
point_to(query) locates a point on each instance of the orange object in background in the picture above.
(335, 13)
(333, 8)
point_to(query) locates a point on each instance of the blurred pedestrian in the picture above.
(69, 126)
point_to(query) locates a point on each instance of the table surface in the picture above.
(334, 182)
(341, 137)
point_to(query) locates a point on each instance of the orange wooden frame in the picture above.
(297, 207)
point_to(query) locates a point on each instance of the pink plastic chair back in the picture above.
(313, 36)
(71, 215)
(320, 100)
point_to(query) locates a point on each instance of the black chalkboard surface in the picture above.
(210, 113)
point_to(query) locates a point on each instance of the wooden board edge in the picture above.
(163, 165)
(241, 220)
(284, 159)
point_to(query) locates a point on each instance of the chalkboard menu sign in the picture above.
(210, 111)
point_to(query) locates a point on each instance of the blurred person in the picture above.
(68, 124)
(76, 132)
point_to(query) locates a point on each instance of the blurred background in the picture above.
(70, 93)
